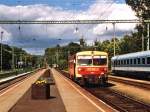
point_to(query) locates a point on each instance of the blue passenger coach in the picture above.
(137, 63)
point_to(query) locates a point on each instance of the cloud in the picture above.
(6, 36)
(48, 35)
(118, 11)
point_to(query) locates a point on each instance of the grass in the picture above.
(9, 73)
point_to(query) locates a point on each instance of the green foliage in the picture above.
(123, 45)
(142, 9)
(60, 54)
(19, 55)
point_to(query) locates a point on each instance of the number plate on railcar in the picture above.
(92, 69)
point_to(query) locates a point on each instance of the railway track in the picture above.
(117, 100)
(10, 82)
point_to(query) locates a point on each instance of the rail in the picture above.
(6, 82)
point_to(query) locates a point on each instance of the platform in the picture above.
(65, 97)
(77, 99)
(10, 97)
(53, 104)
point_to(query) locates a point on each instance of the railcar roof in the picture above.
(90, 53)
(132, 55)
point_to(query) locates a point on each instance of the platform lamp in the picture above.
(114, 38)
(148, 40)
(57, 54)
(1, 51)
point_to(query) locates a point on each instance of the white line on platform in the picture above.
(86, 96)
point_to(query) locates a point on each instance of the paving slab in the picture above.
(53, 104)
(74, 100)
(10, 97)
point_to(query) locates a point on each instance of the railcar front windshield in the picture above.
(99, 60)
(84, 60)
(92, 60)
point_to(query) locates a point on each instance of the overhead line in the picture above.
(71, 21)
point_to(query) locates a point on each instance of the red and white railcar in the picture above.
(89, 67)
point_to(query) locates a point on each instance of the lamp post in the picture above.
(13, 58)
(57, 54)
(148, 37)
(114, 36)
(1, 51)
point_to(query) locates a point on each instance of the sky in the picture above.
(35, 38)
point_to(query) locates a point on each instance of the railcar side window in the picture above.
(148, 60)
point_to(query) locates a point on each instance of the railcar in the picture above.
(89, 67)
(137, 63)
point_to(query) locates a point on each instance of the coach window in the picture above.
(116, 62)
(148, 60)
(131, 61)
(143, 60)
(135, 61)
(127, 61)
(121, 62)
(124, 62)
(138, 60)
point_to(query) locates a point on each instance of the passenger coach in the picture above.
(137, 63)
(89, 67)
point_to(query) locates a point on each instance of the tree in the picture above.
(142, 9)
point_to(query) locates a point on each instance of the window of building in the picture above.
(148, 60)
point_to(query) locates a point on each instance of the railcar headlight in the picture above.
(79, 69)
(102, 73)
